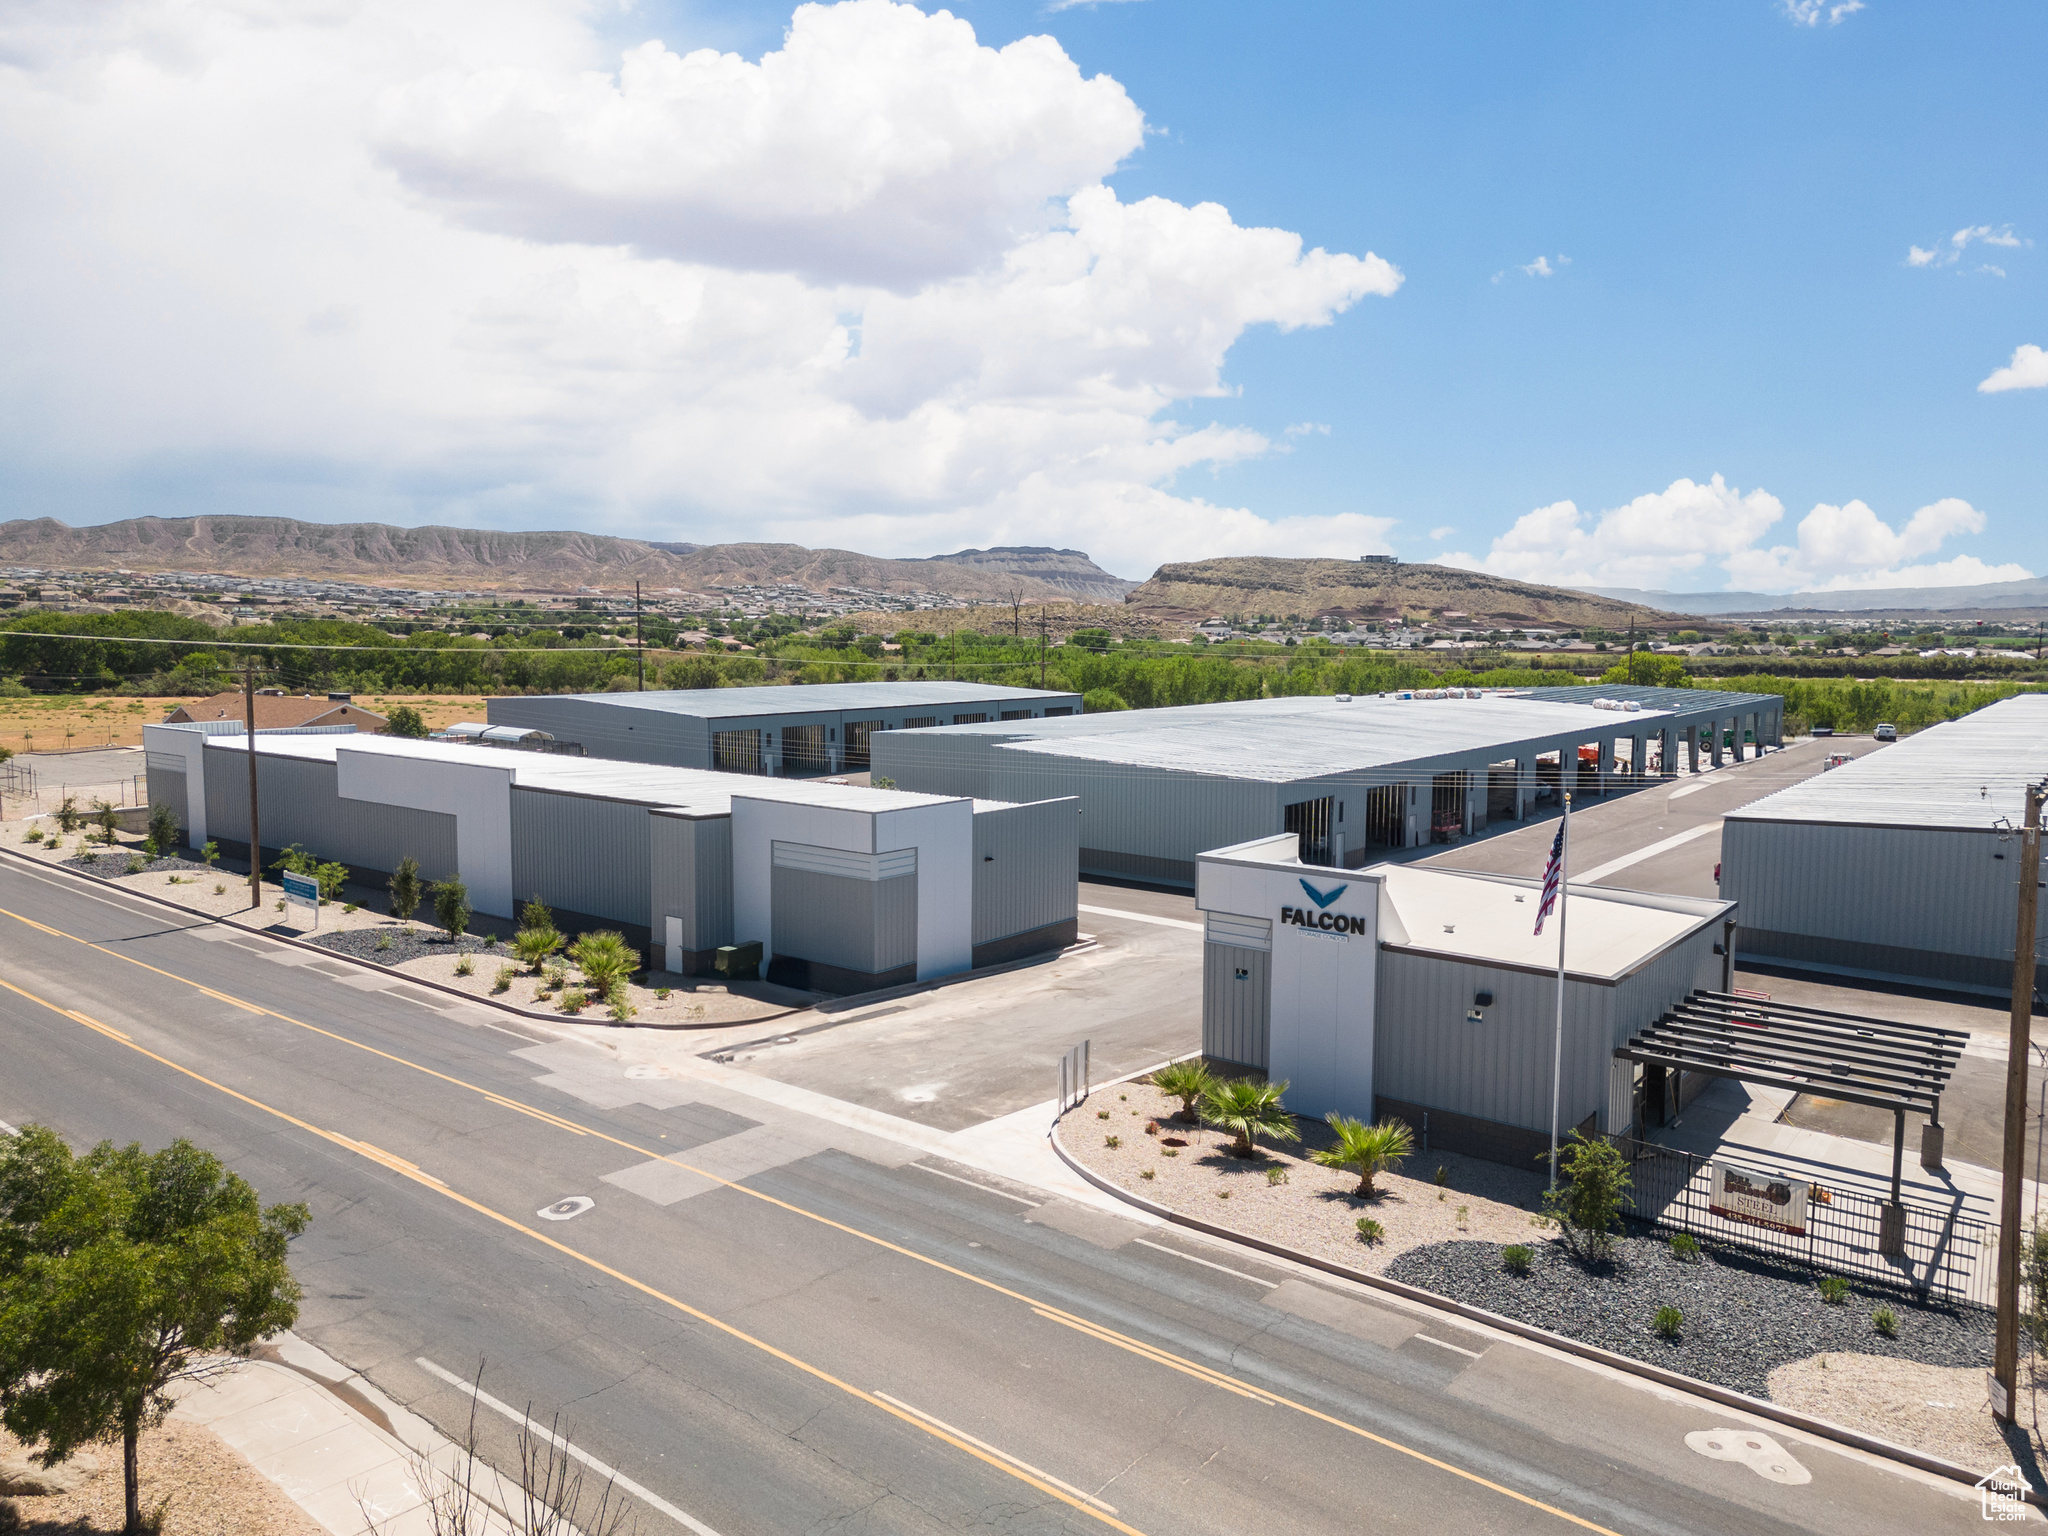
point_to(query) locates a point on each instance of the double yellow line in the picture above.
(1093, 1330)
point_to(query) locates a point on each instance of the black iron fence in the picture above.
(1947, 1252)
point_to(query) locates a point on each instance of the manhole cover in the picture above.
(563, 1210)
(1764, 1456)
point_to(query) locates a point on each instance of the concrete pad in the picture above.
(1383, 1326)
(661, 1182)
(390, 1496)
(1093, 1226)
(292, 1420)
(332, 1460)
(597, 1077)
(238, 1391)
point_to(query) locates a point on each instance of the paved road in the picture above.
(832, 1336)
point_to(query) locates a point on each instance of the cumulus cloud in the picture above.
(1439, 534)
(437, 260)
(1811, 13)
(2027, 370)
(1670, 539)
(1949, 252)
(1540, 267)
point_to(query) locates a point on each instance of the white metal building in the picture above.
(846, 888)
(1348, 776)
(803, 729)
(1901, 863)
(1425, 994)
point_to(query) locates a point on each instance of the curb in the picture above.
(1725, 1396)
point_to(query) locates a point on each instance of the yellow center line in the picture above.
(1085, 1325)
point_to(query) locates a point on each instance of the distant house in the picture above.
(277, 710)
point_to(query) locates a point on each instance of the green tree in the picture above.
(1097, 701)
(107, 819)
(68, 818)
(1649, 671)
(1186, 1081)
(163, 827)
(121, 1273)
(1366, 1149)
(1588, 1205)
(1247, 1109)
(404, 720)
(451, 906)
(405, 889)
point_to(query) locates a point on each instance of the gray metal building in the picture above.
(804, 729)
(847, 888)
(1349, 776)
(1424, 994)
(1901, 863)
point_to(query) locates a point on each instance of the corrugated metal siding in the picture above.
(298, 804)
(690, 877)
(1154, 813)
(866, 926)
(1907, 888)
(167, 787)
(1237, 1011)
(634, 736)
(581, 854)
(1641, 998)
(937, 762)
(1026, 868)
(1425, 1053)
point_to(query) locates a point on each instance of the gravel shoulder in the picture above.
(1933, 1408)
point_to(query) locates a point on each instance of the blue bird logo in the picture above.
(1320, 898)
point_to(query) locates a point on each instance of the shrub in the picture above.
(295, 860)
(33, 835)
(69, 817)
(1276, 1176)
(351, 907)
(490, 941)
(332, 877)
(383, 941)
(574, 1000)
(1463, 1212)
(1247, 1109)
(405, 889)
(1588, 1205)
(1102, 1114)
(622, 1007)
(502, 982)
(107, 819)
(605, 959)
(1886, 1322)
(1112, 1142)
(150, 849)
(1685, 1247)
(163, 826)
(1668, 1321)
(555, 976)
(1442, 1178)
(1098, 701)
(466, 966)
(1186, 1081)
(219, 888)
(1366, 1149)
(1370, 1231)
(662, 994)
(1834, 1290)
(137, 863)
(451, 905)
(210, 853)
(534, 945)
(1148, 1173)
(1515, 1258)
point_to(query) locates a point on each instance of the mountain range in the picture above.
(2031, 593)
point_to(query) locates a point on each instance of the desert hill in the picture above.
(485, 558)
(1361, 589)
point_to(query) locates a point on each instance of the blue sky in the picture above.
(1726, 201)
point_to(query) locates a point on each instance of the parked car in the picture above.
(1823, 730)
(1886, 733)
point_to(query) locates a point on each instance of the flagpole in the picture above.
(1557, 1044)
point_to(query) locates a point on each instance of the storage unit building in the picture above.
(847, 888)
(1424, 994)
(798, 731)
(1900, 863)
(1346, 775)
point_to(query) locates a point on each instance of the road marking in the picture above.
(1121, 1341)
(975, 1184)
(1472, 1354)
(609, 1473)
(566, 1209)
(8, 1130)
(1207, 1264)
(1615, 866)
(1014, 1460)
(1690, 789)
(1140, 917)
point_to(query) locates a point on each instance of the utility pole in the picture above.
(1631, 650)
(2006, 1347)
(639, 643)
(255, 839)
(1041, 645)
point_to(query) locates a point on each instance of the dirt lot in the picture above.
(54, 722)
(203, 1487)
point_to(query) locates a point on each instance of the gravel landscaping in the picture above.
(1744, 1316)
(401, 942)
(1938, 1409)
(113, 862)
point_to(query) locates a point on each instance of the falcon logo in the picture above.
(1323, 898)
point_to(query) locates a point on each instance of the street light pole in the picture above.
(2006, 1345)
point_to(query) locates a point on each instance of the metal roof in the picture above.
(1962, 774)
(1687, 699)
(699, 790)
(814, 698)
(1283, 740)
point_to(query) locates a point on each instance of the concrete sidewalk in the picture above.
(347, 1455)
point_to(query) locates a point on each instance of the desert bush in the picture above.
(32, 835)
(605, 959)
(1588, 1205)
(1366, 1150)
(1370, 1231)
(451, 905)
(210, 853)
(69, 817)
(1886, 1322)
(163, 826)
(405, 889)
(1248, 1109)
(574, 1000)
(1834, 1290)
(1186, 1081)
(107, 819)
(1515, 1258)
(1685, 1247)
(137, 863)
(1668, 1321)
(502, 982)
(466, 966)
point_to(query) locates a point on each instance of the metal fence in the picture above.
(1947, 1253)
(1073, 1078)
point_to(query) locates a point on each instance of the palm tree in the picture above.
(1246, 1108)
(1366, 1149)
(1186, 1081)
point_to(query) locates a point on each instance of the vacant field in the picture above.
(54, 722)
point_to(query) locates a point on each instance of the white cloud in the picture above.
(1948, 253)
(2027, 370)
(1444, 532)
(444, 260)
(1541, 266)
(1304, 428)
(1669, 539)
(1811, 13)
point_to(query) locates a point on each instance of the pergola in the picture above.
(1879, 1062)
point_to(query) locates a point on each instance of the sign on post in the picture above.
(303, 891)
(1758, 1199)
(1073, 1078)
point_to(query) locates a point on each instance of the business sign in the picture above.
(1322, 919)
(1758, 1199)
(303, 891)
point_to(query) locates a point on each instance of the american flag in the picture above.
(1553, 876)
